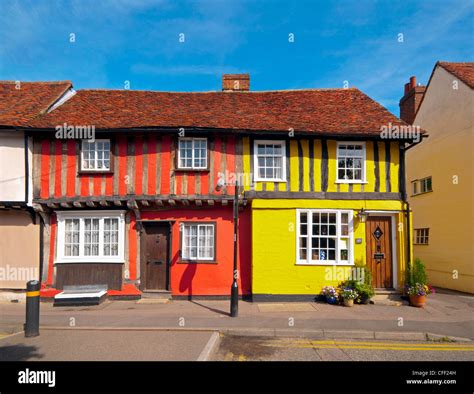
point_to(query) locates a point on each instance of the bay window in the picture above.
(324, 237)
(92, 236)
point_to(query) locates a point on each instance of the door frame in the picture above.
(143, 224)
(393, 241)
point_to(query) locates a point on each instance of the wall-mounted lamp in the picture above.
(362, 215)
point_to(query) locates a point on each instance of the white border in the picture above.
(393, 217)
(255, 160)
(364, 162)
(192, 157)
(95, 161)
(62, 215)
(308, 261)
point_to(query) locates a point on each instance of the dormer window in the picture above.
(192, 153)
(95, 156)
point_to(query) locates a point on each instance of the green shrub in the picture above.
(416, 273)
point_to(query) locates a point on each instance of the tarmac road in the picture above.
(68, 345)
(248, 348)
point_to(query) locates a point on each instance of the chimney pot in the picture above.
(412, 82)
(407, 88)
(235, 82)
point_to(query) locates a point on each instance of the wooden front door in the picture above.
(154, 256)
(379, 250)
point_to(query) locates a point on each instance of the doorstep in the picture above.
(126, 293)
(388, 297)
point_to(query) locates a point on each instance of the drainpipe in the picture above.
(403, 192)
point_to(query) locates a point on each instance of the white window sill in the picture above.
(99, 260)
(271, 180)
(328, 264)
(352, 182)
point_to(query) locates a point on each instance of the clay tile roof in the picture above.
(323, 111)
(20, 106)
(462, 71)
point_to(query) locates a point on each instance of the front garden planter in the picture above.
(418, 301)
(348, 302)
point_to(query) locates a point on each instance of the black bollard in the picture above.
(32, 308)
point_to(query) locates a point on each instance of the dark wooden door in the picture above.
(379, 250)
(154, 253)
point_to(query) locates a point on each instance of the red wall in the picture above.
(209, 279)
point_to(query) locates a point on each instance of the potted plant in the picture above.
(331, 294)
(366, 292)
(417, 287)
(365, 289)
(418, 293)
(349, 295)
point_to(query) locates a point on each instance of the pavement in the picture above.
(184, 324)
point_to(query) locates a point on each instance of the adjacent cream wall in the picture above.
(447, 115)
(12, 166)
(19, 249)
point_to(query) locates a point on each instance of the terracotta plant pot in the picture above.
(348, 302)
(418, 300)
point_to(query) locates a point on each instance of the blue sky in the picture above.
(138, 41)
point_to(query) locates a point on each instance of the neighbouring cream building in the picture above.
(440, 174)
(20, 227)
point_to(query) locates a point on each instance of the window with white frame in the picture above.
(95, 156)
(421, 186)
(198, 241)
(91, 237)
(324, 237)
(192, 153)
(351, 162)
(422, 236)
(269, 161)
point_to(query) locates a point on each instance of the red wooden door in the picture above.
(379, 250)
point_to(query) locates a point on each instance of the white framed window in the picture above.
(270, 161)
(192, 153)
(198, 241)
(351, 162)
(95, 156)
(422, 236)
(91, 236)
(324, 237)
(421, 186)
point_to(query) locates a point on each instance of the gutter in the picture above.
(404, 194)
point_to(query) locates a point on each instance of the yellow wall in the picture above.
(296, 161)
(448, 211)
(274, 269)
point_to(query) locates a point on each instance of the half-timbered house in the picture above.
(133, 205)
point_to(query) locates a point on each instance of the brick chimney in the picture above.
(411, 100)
(235, 82)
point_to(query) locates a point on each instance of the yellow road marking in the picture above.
(441, 349)
(429, 345)
(434, 347)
